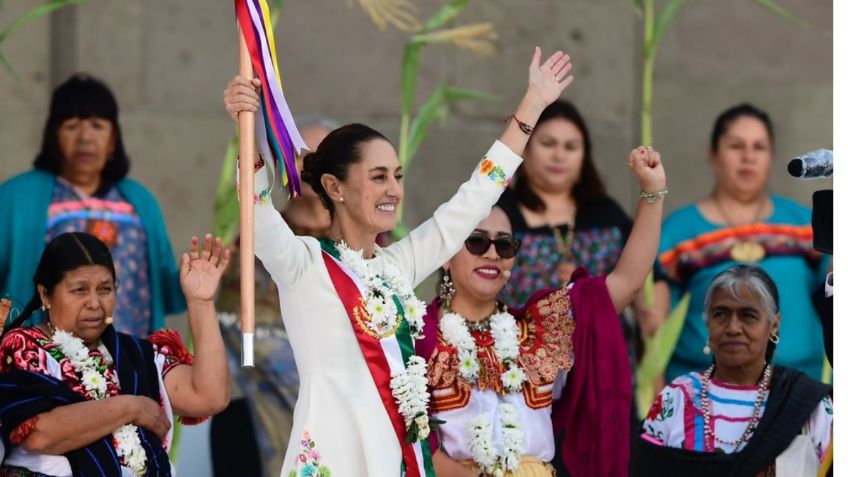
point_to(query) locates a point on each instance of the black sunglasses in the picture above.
(506, 247)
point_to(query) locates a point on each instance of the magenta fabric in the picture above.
(594, 410)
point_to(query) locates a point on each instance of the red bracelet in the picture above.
(525, 128)
(259, 163)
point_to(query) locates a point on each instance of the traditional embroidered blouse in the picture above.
(28, 349)
(115, 222)
(545, 355)
(677, 420)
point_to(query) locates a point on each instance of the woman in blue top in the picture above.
(740, 222)
(79, 184)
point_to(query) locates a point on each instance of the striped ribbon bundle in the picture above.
(276, 133)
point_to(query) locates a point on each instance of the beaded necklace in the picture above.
(709, 436)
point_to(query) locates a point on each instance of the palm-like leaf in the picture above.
(28, 16)
(436, 109)
(658, 350)
(781, 12)
(400, 13)
(226, 200)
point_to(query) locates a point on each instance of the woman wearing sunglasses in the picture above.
(505, 380)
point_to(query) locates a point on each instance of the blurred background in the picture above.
(168, 63)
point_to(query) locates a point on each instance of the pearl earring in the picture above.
(707, 348)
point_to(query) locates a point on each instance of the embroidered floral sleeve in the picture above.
(24, 349)
(546, 331)
(169, 344)
(663, 419)
(820, 426)
(23, 430)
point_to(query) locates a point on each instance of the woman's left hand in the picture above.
(547, 80)
(201, 269)
(647, 167)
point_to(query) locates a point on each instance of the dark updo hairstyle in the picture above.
(64, 254)
(84, 97)
(336, 153)
(758, 281)
(725, 119)
(589, 187)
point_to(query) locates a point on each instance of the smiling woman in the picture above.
(79, 184)
(348, 304)
(507, 381)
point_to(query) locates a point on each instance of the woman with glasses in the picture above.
(504, 380)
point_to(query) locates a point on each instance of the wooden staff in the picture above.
(247, 158)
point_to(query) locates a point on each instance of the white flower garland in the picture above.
(505, 334)
(380, 288)
(483, 451)
(409, 386)
(128, 442)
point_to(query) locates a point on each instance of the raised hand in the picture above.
(647, 168)
(547, 81)
(201, 269)
(242, 94)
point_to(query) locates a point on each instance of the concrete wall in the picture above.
(168, 62)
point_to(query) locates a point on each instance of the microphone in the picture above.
(812, 165)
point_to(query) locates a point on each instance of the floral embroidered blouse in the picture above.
(545, 355)
(677, 420)
(115, 222)
(30, 349)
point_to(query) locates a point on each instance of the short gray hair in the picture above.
(751, 276)
(314, 120)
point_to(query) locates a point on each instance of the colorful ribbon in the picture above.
(276, 133)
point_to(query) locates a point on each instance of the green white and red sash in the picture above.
(383, 356)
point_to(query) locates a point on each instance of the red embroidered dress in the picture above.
(545, 355)
(30, 349)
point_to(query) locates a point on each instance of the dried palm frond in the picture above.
(402, 14)
(476, 37)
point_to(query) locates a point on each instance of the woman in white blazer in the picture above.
(348, 304)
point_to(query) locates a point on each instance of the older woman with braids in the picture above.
(79, 398)
(742, 416)
(348, 304)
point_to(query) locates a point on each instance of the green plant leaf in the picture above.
(409, 74)
(638, 7)
(34, 13)
(445, 14)
(436, 109)
(658, 350)
(664, 20)
(5, 62)
(781, 12)
(276, 7)
(226, 219)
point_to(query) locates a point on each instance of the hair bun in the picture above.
(310, 166)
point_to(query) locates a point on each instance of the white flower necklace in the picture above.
(409, 385)
(93, 380)
(380, 288)
(505, 334)
(480, 441)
